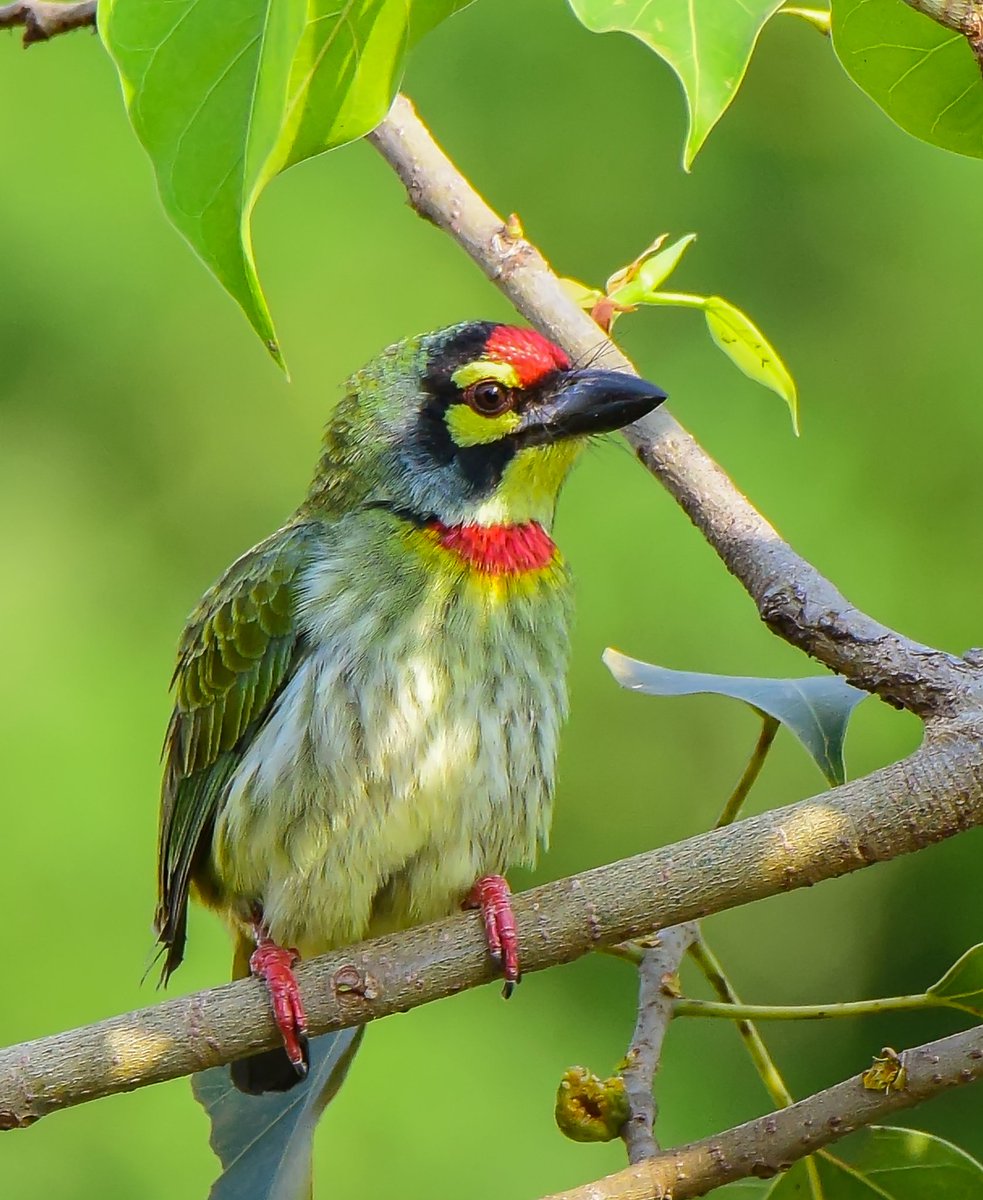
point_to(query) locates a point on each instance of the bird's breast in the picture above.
(414, 747)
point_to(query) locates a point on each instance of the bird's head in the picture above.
(475, 424)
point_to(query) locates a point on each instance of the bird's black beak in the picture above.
(589, 402)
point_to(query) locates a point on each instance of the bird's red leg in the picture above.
(492, 895)
(274, 965)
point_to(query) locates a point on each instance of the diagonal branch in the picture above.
(41, 20)
(904, 807)
(792, 597)
(770, 1144)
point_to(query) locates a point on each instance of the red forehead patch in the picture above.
(532, 355)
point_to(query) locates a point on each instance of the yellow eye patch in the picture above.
(474, 372)
(469, 428)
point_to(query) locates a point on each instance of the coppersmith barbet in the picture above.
(368, 702)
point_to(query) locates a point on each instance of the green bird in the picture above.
(368, 703)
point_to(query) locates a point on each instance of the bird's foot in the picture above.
(274, 965)
(492, 895)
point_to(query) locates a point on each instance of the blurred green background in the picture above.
(146, 440)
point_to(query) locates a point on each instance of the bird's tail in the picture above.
(265, 1142)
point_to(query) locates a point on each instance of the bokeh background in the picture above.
(146, 440)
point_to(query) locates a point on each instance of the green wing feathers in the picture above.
(235, 656)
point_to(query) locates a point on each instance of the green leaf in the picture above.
(882, 1163)
(348, 68)
(708, 43)
(924, 76)
(748, 348)
(816, 709)
(632, 284)
(962, 985)
(205, 86)
(264, 1142)
(224, 96)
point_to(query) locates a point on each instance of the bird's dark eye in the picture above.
(488, 397)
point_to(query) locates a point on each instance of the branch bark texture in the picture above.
(962, 16)
(41, 20)
(656, 994)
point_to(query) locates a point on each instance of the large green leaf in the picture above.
(962, 985)
(882, 1163)
(264, 1142)
(223, 96)
(205, 85)
(924, 76)
(816, 709)
(708, 43)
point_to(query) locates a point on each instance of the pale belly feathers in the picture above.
(411, 752)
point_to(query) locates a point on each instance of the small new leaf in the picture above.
(708, 43)
(816, 709)
(748, 348)
(634, 283)
(962, 985)
(924, 76)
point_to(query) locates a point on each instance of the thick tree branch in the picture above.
(904, 807)
(656, 996)
(792, 597)
(770, 1144)
(41, 20)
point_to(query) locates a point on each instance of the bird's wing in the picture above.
(235, 656)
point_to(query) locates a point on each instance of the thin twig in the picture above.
(770, 1144)
(656, 992)
(41, 20)
(687, 1007)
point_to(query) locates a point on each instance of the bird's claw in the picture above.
(274, 965)
(492, 895)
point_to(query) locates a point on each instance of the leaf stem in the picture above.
(713, 971)
(769, 727)
(818, 18)
(677, 299)
(799, 1012)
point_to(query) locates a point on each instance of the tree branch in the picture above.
(770, 1144)
(904, 807)
(41, 20)
(656, 997)
(961, 16)
(792, 597)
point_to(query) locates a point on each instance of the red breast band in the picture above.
(498, 549)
